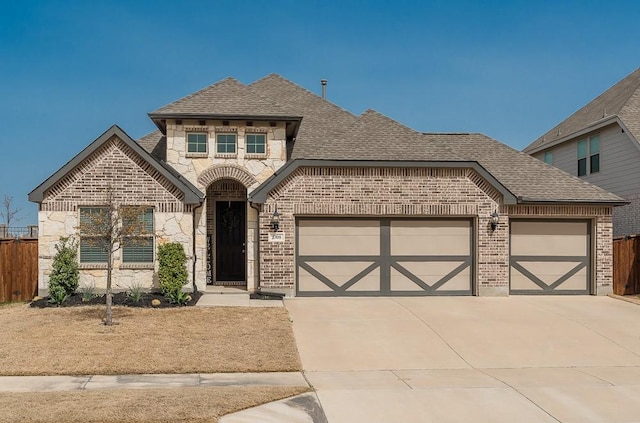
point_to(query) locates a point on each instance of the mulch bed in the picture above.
(119, 299)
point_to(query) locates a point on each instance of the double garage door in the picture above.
(404, 257)
(366, 257)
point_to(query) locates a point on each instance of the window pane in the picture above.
(90, 253)
(582, 149)
(226, 143)
(138, 251)
(256, 144)
(197, 143)
(548, 157)
(594, 145)
(594, 163)
(582, 167)
(93, 221)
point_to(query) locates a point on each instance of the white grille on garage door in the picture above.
(366, 257)
(550, 257)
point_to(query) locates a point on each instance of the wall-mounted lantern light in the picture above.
(275, 220)
(495, 218)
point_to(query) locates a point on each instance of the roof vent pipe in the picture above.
(324, 88)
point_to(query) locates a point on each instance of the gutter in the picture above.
(257, 208)
(193, 245)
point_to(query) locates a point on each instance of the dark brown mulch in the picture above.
(119, 299)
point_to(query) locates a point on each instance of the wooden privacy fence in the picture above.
(18, 269)
(626, 266)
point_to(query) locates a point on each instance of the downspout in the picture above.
(256, 208)
(193, 242)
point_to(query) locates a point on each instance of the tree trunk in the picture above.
(108, 320)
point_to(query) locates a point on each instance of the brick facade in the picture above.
(416, 192)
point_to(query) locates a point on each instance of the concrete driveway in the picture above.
(471, 359)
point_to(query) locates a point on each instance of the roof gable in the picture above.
(191, 194)
(621, 100)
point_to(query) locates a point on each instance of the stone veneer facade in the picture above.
(207, 170)
(133, 182)
(416, 192)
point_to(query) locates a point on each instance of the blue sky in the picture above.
(508, 69)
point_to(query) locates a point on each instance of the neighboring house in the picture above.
(270, 186)
(600, 144)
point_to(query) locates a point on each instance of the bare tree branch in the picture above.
(8, 214)
(108, 227)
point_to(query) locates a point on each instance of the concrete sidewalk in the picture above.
(303, 408)
(78, 383)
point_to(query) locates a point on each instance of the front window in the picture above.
(197, 143)
(256, 144)
(589, 156)
(226, 143)
(93, 249)
(138, 247)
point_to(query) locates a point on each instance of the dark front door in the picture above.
(230, 235)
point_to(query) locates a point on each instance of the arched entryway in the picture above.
(227, 233)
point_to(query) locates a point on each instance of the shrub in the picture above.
(172, 271)
(135, 292)
(57, 294)
(178, 297)
(65, 273)
(88, 292)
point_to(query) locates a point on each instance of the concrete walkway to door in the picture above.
(471, 359)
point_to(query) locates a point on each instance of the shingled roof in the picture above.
(529, 179)
(619, 103)
(227, 98)
(328, 133)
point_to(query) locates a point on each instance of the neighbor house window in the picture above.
(548, 157)
(138, 247)
(226, 143)
(589, 156)
(92, 219)
(256, 144)
(197, 143)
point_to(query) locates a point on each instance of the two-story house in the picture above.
(600, 143)
(268, 185)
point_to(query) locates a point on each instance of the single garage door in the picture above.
(550, 257)
(367, 257)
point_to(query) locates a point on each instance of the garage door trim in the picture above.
(385, 262)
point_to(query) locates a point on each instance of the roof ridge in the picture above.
(299, 87)
(189, 96)
(616, 91)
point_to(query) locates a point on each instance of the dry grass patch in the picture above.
(194, 404)
(73, 341)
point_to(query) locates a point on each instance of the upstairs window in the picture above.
(548, 157)
(594, 154)
(589, 156)
(256, 144)
(226, 143)
(197, 143)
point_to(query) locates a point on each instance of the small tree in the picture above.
(8, 213)
(107, 228)
(172, 271)
(65, 273)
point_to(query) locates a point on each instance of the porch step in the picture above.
(234, 299)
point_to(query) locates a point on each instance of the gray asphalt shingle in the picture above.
(621, 100)
(328, 132)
